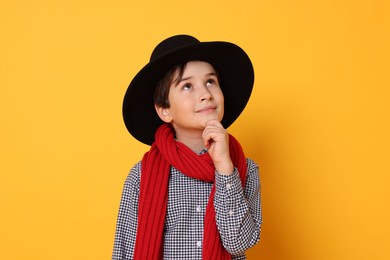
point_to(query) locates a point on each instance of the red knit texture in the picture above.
(166, 151)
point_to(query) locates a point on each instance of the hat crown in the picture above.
(172, 43)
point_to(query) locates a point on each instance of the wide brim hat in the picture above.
(233, 65)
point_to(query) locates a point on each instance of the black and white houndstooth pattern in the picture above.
(238, 214)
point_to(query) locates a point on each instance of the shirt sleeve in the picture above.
(238, 209)
(126, 227)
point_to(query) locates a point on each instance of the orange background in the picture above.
(317, 123)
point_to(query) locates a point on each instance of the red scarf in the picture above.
(166, 151)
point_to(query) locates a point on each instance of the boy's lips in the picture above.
(205, 109)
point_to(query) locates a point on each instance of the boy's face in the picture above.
(195, 99)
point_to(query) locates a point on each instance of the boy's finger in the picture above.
(207, 142)
(213, 122)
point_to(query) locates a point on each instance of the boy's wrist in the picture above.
(225, 168)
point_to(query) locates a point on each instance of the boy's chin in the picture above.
(208, 120)
(213, 118)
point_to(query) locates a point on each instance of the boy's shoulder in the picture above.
(134, 175)
(251, 163)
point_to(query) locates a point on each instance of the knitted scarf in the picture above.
(164, 153)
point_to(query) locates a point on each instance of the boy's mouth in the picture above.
(206, 109)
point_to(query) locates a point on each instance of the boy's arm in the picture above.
(216, 140)
(126, 226)
(238, 210)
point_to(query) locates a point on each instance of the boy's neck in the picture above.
(193, 141)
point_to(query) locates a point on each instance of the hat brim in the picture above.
(230, 61)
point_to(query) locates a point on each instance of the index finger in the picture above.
(213, 122)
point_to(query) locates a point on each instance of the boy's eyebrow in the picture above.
(208, 74)
(212, 74)
(184, 79)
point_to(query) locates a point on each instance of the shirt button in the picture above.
(198, 209)
(228, 186)
(199, 243)
(231, 212)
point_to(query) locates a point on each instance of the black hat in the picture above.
(233, 65)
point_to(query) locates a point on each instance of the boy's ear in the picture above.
(163, 113)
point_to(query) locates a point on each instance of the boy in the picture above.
(194, 195)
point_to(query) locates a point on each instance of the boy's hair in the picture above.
(161, 92)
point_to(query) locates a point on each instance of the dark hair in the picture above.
(161, 92)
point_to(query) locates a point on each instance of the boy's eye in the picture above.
(186, 86)
(210, 82)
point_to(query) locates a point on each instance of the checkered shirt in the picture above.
(238, 214)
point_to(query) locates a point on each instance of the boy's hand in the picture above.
(216, 140)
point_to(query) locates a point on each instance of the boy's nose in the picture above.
(206, 94)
